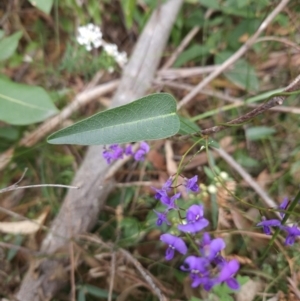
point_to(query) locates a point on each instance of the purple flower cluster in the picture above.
(209, 268)
(115, 152)
(292, 231)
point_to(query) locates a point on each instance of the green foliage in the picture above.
(242, 74)
(9, 133)
(246, 161)
(128, 7)
(94, 10)
(130, 231)
(242, 8)
(194, 52)
(18, 240)
(92, 290)
(21, 104)
(259, 132)
(43, 5)
(187, 126)
(223, 291)
(78, 61)
(195, 299)
(151, 117)
(9, 45)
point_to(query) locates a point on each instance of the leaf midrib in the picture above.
(22, 103)
(111, 126)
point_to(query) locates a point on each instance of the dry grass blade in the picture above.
(145, 275)
(246, 176)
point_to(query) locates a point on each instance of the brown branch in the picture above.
(274, 101)
(236, 102)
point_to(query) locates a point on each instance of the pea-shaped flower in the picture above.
(191, 184)
(292, 232)
(268, 223)
(175, 243)
(210, 249)
(161, 218)
(198, 267)
(227, 274)
(142, 151)
(195, 220)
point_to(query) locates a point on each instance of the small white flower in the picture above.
(110, 69)
(89, 36)
(121, 58)
(27, 58)
(111, 49)
(212, 189)
(224, 175)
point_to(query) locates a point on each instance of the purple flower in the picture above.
(219, 261)
(283, 206)
(114, 152)
(175, 243)
(170, 201)
(191, 184)
(142, 151)
(227, 273)
(211, 248)
(163, 191)
(161, 218)
(195, 265)
(199, 271)
(195, 220)
(293, 232)
(128, 150)
(266, 224)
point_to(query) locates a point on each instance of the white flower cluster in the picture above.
(90, 36)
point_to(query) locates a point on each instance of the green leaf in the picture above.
(21, 104)
(43, 5)
(195, 299)
(187, 127)
(214, 4)
(129, 7)
(223, 292)
(1, 33)
(192, 53)
(247, 161)
(9, 45)
(94, 11)
(96, 291)
(242, 279)
(295, 168)
(259, 132)
(13, 252)
(242, 74)
(130, 229)
(9, 133)
(148, 118)
(81, 294)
